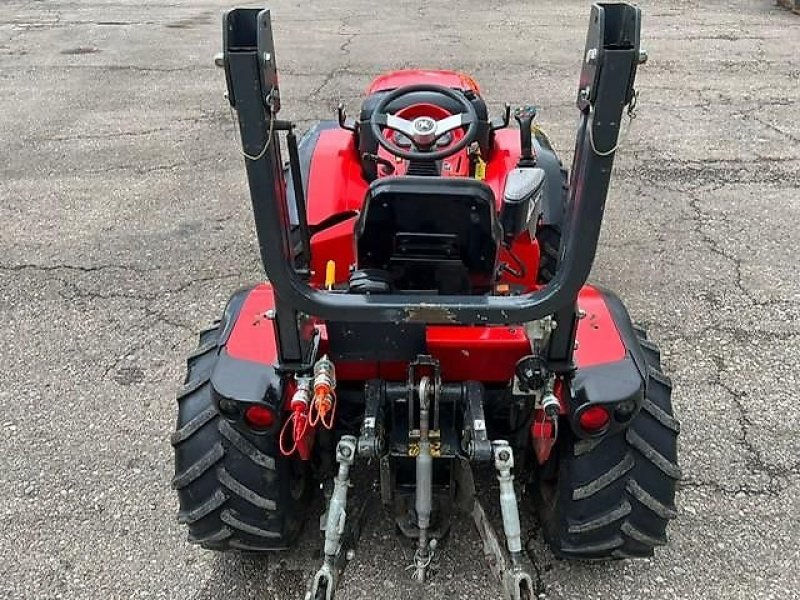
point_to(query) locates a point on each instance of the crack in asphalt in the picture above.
(131, 68)
(76, 292)
(738, 334)
(68, 267)
(344, 49)
(136, 169)
(775, 128)
(699, 172)
(700, 221)
(148, 169)
(728, 492)
(755, 461)
(755, 458)
(539, 586)
(72, 292)
(213, 117)
(156, 315)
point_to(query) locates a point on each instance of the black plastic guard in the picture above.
(611, 384)
(246, 382)
(615, 383)
(242, 382)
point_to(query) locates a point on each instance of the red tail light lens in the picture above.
(259, 417)
(594, 419)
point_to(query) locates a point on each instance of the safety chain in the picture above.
(631, 112)
(260, 155)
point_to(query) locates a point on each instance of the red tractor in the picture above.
(427, 311)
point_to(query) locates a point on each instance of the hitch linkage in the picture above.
(323, 586)
(510, 565)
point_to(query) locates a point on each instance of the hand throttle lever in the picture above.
(525, 116)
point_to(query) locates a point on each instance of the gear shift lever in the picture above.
(525, 116)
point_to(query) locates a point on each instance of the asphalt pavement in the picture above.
(125, 225)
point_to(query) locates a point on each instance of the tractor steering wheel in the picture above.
(424, 131)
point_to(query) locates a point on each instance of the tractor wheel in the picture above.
(613, 497)
(236, 491)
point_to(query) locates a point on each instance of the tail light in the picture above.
(259, 416)
(594, 419)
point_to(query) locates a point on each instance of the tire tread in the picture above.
(233, 487)
(615, 495)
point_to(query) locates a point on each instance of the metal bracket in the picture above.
(538, 333)
(344, 122)
(371, 440)
(476, 442)
(434, 385)
(502, 121)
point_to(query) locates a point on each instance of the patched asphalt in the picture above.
(125, 225)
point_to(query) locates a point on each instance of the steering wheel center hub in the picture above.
(424, 131)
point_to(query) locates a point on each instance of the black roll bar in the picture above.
(606, 87)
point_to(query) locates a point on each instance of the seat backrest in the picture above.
(430, 233)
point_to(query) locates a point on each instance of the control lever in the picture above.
(525, 116)
(388, 167)
(502, 122)
(344, 122)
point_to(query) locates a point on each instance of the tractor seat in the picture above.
(429, 234)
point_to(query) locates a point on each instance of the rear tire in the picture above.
(612, 498)
(236, 491)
